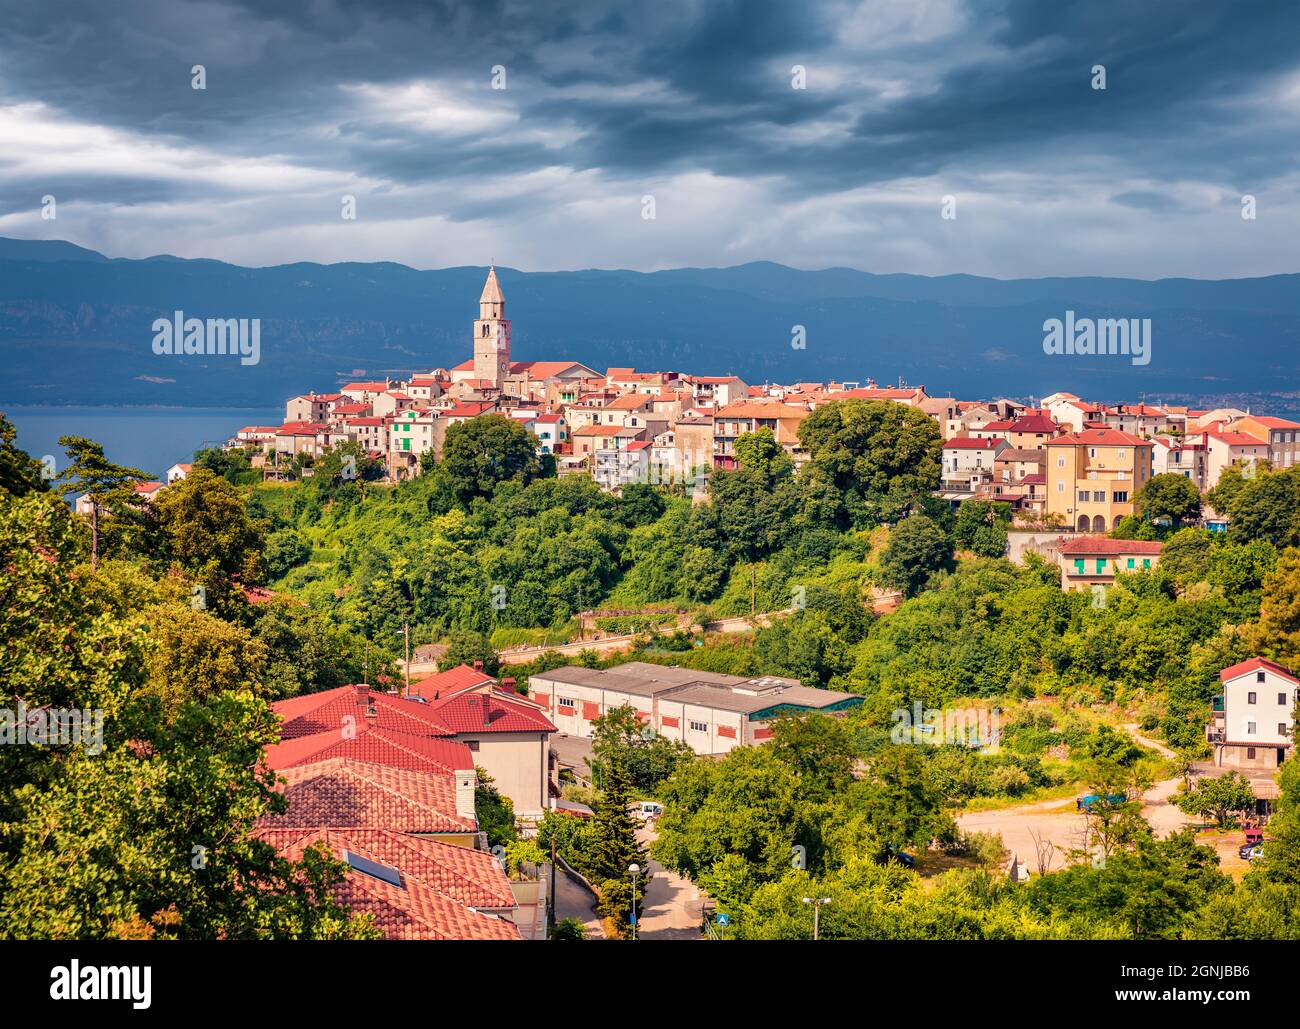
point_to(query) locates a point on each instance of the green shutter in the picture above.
(1131, 562)
(1078, 566)
(1101, 565)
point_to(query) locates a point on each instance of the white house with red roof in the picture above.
(1254, 717)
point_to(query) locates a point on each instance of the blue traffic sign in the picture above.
(724, 918)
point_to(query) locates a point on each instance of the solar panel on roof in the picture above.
(384, 873)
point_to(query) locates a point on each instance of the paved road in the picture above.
(671, 907)
(573, 901)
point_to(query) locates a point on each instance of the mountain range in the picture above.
(75, 328)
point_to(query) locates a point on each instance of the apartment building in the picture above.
(1254, 717)
(1281, 435)
(1093, 476)
(735, 420)
(1223, 449)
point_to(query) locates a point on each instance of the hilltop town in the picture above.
(1062, 461)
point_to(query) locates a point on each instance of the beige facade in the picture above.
(1093, 476)
(518, 763)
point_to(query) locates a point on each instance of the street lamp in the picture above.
(635, 869)
(817, 903)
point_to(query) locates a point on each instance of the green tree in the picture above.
(481, 453)
(1221, 798)
(1169, 496)
(916, 549)
(109, 487)
(19, 472)
(879, 455)
(210, 535)
(619, 737)
(614, 846)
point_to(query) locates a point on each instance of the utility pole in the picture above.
(552, 880)
(406, 631)
(753, 603)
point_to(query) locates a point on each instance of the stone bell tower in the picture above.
(492, 334)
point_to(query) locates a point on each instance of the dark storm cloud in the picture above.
(896, 91)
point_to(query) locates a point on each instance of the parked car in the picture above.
(647, 810)
(1086, 803)
(892, 853)
(1250, 851)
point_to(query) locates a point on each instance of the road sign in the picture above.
(724, 918)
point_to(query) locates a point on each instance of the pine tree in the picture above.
(614, 844)
(107, 485)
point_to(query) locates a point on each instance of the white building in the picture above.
(1254, 716)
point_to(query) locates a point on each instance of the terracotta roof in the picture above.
(1270, 422)
(972, 443)
(1099, 438)
(450, 682)
(1235, 439)
(468, 876)
(342, 793)
(1103, 545)
(479, 712)
(326, 711)
(1034, 423)
(1257, 664)
(433, 754)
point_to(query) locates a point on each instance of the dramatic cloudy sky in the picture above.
(691, 102)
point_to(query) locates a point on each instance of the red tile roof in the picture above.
(471, 877)
(972, 443)
(377, 746)
(1256, 664)
(450, 682)
(479, 712)
(1033, 423)
(341, 793)
(1099, 438)
(1103, 545)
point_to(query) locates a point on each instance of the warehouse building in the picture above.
(712, 713)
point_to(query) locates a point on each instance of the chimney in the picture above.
(478, 666)
(509, 683)
(466, 781)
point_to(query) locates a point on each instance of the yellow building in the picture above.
(1093, 476)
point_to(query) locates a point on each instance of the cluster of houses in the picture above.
(387, 783)
(1080, 464)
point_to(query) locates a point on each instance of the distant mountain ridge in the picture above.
(75, 327)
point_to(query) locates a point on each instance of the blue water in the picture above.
(149, 438)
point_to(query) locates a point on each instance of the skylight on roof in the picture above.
(384, 873)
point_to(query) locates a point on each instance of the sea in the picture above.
(149, 438)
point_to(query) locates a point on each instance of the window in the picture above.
(472, 745)
(1060, 462)
(1281, 699)
(699, 727)
(1281, 728)
(568, 702)
(1078, 566)
(1250, 753)
(1083, 496)
(1060, 486)
(1250, 728)
(1101, 565)
(1121, 496)
(1131, 563)
(1259, 676)
(1250, 698)
(1099, 496)
(1146, 562)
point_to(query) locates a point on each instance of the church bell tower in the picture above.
(492, 334)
